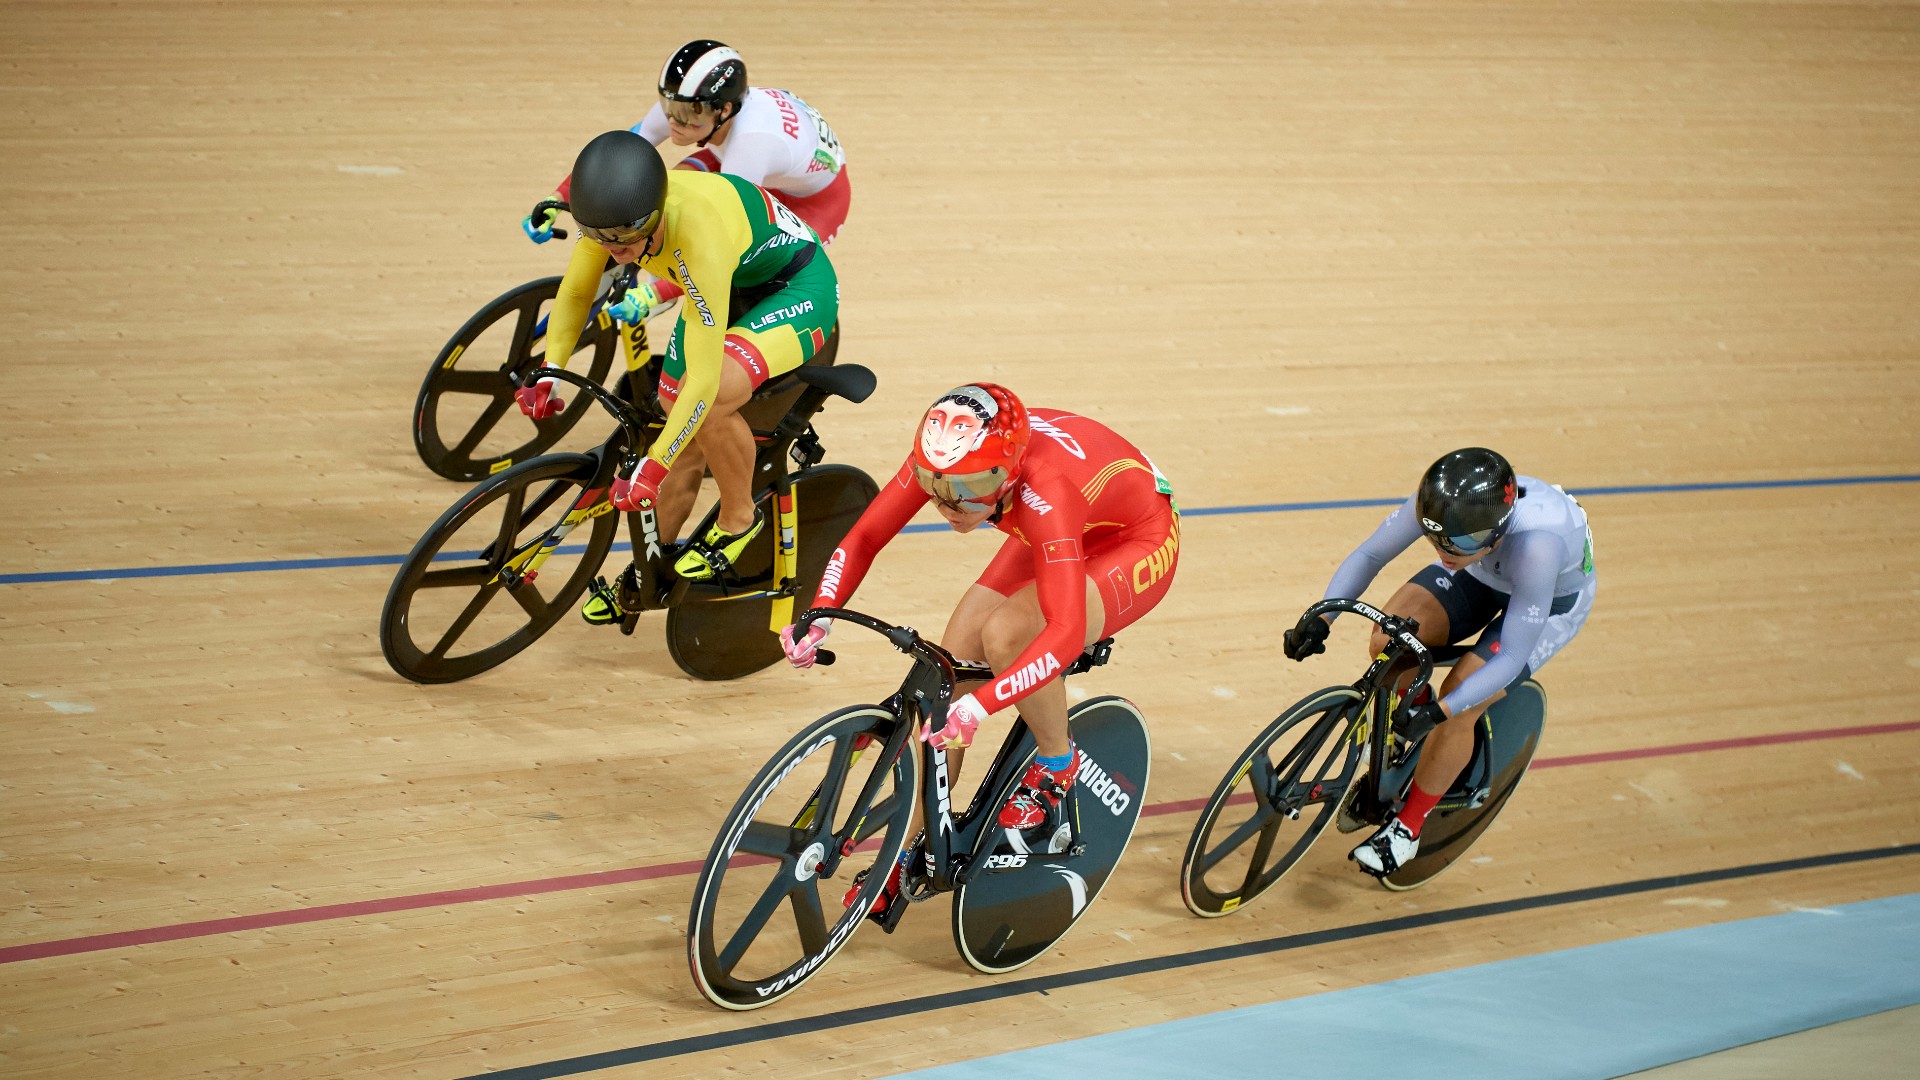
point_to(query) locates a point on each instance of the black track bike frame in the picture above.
(1373, 686)
(923, 697)
(640, 422)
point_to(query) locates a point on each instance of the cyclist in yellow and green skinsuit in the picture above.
(761, 299)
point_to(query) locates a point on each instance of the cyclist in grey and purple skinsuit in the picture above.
(1515, 566)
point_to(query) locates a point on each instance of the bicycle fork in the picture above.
(1291, 791)
(525, 564)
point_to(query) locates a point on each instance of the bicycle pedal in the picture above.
(889, 917)
(1062, 840)
(1377, 875)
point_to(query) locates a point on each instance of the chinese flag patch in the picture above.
(1060, 550)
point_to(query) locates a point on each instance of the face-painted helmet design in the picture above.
(968, 451)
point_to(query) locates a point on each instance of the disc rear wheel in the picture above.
(1016, 904)
(1515, 722)
(718, 636)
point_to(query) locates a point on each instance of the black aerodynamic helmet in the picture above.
(706, 73)
(619, 187)
(1465, 501)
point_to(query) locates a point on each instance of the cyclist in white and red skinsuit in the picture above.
(764, 136)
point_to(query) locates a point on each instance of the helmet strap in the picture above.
(718, 124)
(1000, 506)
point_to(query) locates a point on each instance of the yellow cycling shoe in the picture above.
(603, 601)
(714, 553)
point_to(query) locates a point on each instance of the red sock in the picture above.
(1419, 805)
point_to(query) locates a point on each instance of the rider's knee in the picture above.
(1007, 632)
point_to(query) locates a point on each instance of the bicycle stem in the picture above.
(1402, 638)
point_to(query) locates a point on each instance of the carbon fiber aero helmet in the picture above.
(1465, 501)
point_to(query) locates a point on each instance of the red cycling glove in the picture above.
(642, 490)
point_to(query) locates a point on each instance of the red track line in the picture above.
(95, 943)
(341, 911)
(1194, 805)
(1727, 744)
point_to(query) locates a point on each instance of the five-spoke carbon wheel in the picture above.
(1281, 792)
(465, 423)
(768, 911)
(446, 617)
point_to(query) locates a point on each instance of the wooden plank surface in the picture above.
(1294, 251)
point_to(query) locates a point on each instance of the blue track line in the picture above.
(1205, 511)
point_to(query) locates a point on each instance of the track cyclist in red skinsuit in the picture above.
(1092, 539)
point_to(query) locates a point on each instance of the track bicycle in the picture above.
(835, 805)
(1338, 754)
(445, 619)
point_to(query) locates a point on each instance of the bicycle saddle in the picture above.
(850, 381)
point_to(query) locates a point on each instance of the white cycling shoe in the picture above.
(1387, 850)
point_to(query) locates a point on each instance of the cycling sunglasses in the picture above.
(629, 235)
(1472, 543)
(686, 113)
(966, 493)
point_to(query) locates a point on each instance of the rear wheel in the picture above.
(767, 911)
(718, 636)
(1272, 805)
(466, 425)
(1513, 732)
(445, 618)
(1015, 905)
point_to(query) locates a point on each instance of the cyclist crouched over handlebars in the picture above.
(762, 300)
(1515, 566)
(1093, 537)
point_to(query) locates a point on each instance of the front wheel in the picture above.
(466, 425)
(767, 911)
(1279, 795)
(445, 618)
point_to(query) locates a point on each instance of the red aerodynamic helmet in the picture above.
(968, 451)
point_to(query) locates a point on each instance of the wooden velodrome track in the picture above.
(1294, 251)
